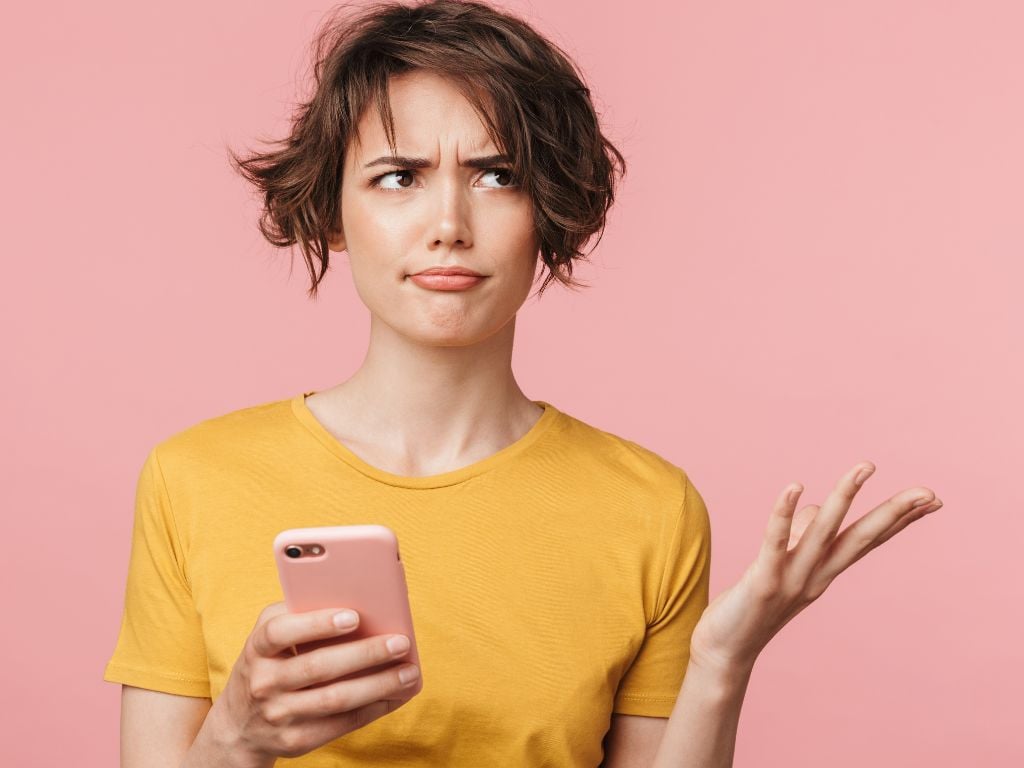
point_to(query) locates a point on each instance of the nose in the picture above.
(451, 214)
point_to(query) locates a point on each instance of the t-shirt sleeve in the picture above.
(651, 684)
(160, 645)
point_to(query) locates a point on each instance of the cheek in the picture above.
(366, 284)
(375, 243)
(516, 234)
(527, 246)
(379, 284)
(366, 225)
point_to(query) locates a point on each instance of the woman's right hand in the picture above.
(263, 713)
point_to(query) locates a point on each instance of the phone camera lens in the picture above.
(293, 551)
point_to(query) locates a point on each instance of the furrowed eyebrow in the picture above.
(485, 162)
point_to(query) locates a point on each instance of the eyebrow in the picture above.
(485, 162)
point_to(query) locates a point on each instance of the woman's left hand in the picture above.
(799, 558)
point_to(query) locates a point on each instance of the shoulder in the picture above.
(621, 462)
(225, 439)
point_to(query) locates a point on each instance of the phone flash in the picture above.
(316, 549)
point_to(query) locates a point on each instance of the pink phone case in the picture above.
(349, 566)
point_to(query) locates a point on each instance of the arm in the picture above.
(632, 740)
(164, 730)
(797, 562)
(158, 728)
(701, 732)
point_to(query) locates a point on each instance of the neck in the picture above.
(425, 404)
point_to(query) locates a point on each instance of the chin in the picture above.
(447, 338)
(448, 331)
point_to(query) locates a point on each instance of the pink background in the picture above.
(816, 258)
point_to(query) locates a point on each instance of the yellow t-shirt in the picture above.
(551, 584)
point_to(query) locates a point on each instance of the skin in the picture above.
(436, 389)
(425, 347)
(801, 554)
(436, 392)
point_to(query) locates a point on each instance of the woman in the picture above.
(558, 574)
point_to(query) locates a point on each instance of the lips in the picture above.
(449, 271)
(446, 281)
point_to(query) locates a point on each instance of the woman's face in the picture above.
(398, 220)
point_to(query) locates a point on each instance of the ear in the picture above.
(336, 239)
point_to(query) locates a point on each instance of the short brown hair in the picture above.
(543, 119)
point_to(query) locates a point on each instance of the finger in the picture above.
(369, 713)
(347, 695)
(283, 630)
(777, 533)
(271, 610)
(916, 514)
(339, 659)
(877, 527)
(821, 531)
(328, 728)
(801, 520)
(322, 730)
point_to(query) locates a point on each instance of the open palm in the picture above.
(799, 557)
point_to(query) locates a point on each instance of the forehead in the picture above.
(430, 113)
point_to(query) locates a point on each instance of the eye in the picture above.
(507, 172)
(375, 182)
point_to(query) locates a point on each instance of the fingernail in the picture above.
(923, 500)
(345, 619)
(408, 674)
(398, 644)
(863, 475)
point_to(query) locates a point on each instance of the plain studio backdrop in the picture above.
(816, 258)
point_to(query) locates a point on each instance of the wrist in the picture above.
(726, 673)
(219, 744)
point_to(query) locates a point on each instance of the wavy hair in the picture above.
(528, 93)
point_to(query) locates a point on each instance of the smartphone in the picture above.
(348, 566)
